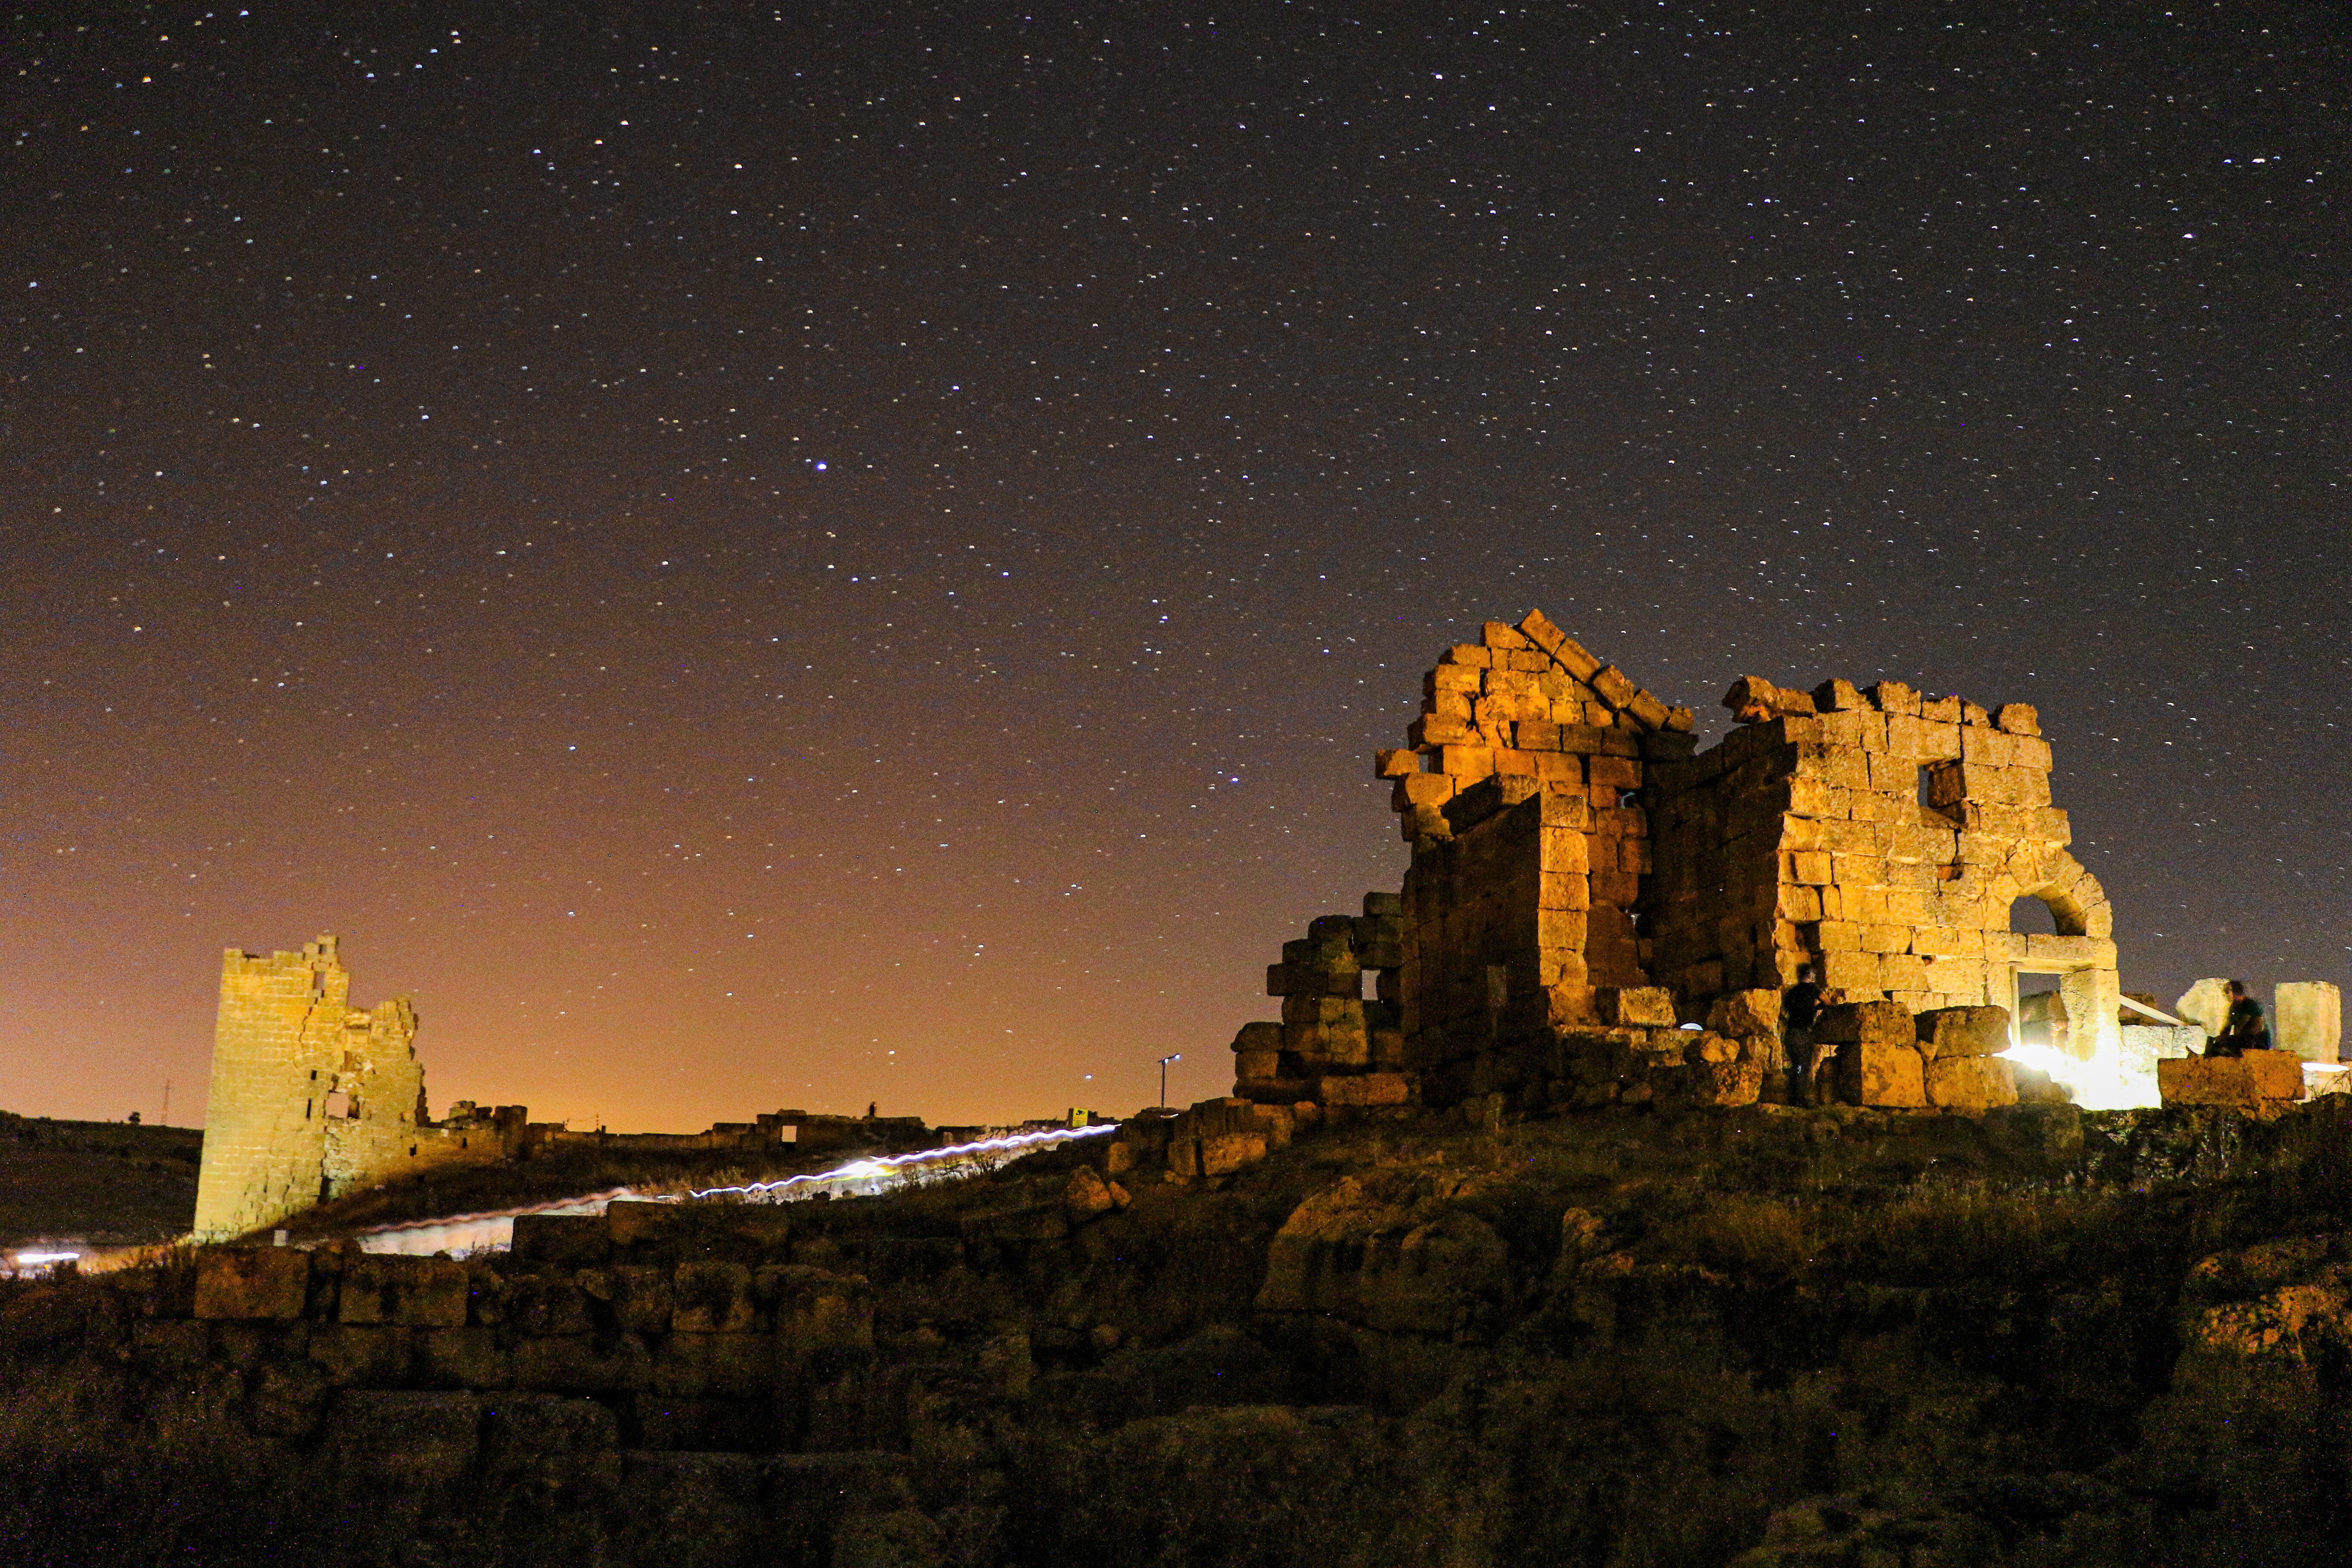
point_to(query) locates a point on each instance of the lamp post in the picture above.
(1163, 1076)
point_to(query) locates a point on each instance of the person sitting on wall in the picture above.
(1800, 1005)
(2244, 1029)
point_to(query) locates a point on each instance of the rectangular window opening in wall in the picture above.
(1940, 792)
(2040, 1018)
(1371, 988)
(338, 1105)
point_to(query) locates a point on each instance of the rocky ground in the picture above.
(1763, 1337)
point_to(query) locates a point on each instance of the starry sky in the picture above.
(761, 557)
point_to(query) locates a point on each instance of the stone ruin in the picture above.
(312, 1098)
(1599, 912)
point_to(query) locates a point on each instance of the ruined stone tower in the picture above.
(312, 1098)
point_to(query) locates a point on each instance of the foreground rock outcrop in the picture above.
(1632, 1336)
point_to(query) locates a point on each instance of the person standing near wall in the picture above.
(2244, 1029)
(1800, 1005)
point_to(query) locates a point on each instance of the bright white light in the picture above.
(2103, 1083)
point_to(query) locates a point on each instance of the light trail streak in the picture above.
(493, 1230)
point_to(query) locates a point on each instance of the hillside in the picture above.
(1764, 1337)
(107, 1183)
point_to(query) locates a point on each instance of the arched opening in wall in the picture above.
(2030, 917)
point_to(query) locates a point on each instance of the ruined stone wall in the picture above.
(1883, 837)
(312, 1098)
(1528, 702)
(1577, 864)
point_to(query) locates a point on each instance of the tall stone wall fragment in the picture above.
(2310, 1019)
(311, 1098)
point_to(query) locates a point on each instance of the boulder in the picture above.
(1089, 1195)
(1963, 1032)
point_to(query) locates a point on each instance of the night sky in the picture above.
(762, 558)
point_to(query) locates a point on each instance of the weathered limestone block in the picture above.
(1963, 1032)
(1632, 1005)
(550, 1443)
(818, 1311)
(632, 1222)
(582, 1363)
(417, 1292)
(737, 1365)
(2259, 1083)
(356, 1355)
(2310, 1019)
(1866, 1023)
(1708, 1083)
(252, 1282)
(1972, 1084)
(711, 1298)
(1347, 1254)
(1875, 1072)
(565, 1242)
(1366, 1090)
(403, 1440)
(2205, 1005)
(2145, 1045)
(547, 1304)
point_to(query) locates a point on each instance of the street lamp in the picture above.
(1163, 1076)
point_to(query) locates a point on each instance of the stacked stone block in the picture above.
(1334, 1045)
(1878, 1052)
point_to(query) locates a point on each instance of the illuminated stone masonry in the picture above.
(1586, 886)
(312, 1098)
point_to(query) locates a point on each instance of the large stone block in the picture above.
(1866, 1023)
(267, 1282)
(818, 1311)
(2259, 1083)
(403, 1440)
(1745, 1013)
(1963, 1032)
(415, 1292)
(561, 1241)
(712, 1298)
(1643, 1004)
(2309, 1019)
(581, 1363)
(2145, 1045)
(2205, 1005)
(1873, 1072)
(1367, 1088)
(1973, 1084)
